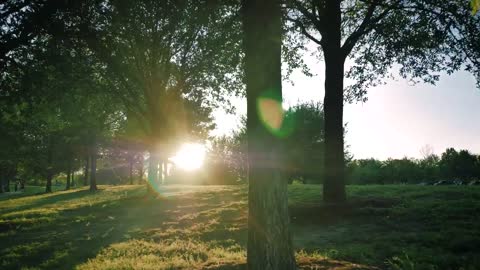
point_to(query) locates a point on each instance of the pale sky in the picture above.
(398, 119)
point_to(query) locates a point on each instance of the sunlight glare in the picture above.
(190, 156)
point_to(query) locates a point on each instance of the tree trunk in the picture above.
(48, 187)
(2, 188)
(93, 165)
(152, 182)
(7, 188)
(72, 182)
(140, 170)
(161, 171)
(269, 238)
(87, 165)
(69, 175)
(130, 169)
(334, 164)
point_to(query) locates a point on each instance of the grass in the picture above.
(204, 227)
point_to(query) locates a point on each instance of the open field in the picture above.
(195, 227)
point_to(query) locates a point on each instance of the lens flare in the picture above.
(271, 113)
(190, 156)
(273, 116)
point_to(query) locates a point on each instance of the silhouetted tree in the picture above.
(424, 37)
(459, 164)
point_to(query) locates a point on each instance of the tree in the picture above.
(304, 145)
(58, 89)
(461, 164)
(367, 171)
(269, 238)
(166, 61)
(424, 37)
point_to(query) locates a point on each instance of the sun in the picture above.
(190, 156)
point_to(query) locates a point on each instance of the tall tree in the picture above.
(424, 37)
(160, 57)
(269, 238)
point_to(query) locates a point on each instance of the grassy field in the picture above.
(204, 227)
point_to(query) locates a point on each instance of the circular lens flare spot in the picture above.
(271, 113)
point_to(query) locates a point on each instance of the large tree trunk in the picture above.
(93, 165)
(269, 237)
(87, 165)
(334, 169)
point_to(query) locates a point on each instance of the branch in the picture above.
(316, 21)
(366, 26)
(304, 30)
(355, 36)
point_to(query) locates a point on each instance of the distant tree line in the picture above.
(451, 165)
(304, 150)
(303, 142)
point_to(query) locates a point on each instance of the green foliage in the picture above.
(452, 165)
(304, 147)
(160, 59)
(434, 37)
(75, 75)
(230, 152)
(475, 6)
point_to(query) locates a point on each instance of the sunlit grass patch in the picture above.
(169, 254)
(318, 261)
(30, 217)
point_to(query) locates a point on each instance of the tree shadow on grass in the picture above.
(200, 230)
(42, 199)
(72, 236)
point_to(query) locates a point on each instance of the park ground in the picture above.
(204, 227)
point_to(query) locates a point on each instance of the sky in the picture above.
(397, 120)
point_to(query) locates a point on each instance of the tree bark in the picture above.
(69, 175)
(93, 165)
(334, 164)
(130, 169)
(7, 186)
(152, 172)
(87, 165)
(140, 170)
(48, 187)
(2, 188)
(72, 182)
(161, 171)
(269, 238)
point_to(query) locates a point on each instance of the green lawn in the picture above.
(197, 227)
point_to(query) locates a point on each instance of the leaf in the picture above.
(475, 6)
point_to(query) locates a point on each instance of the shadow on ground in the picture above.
(205, 228)
(121, 228)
